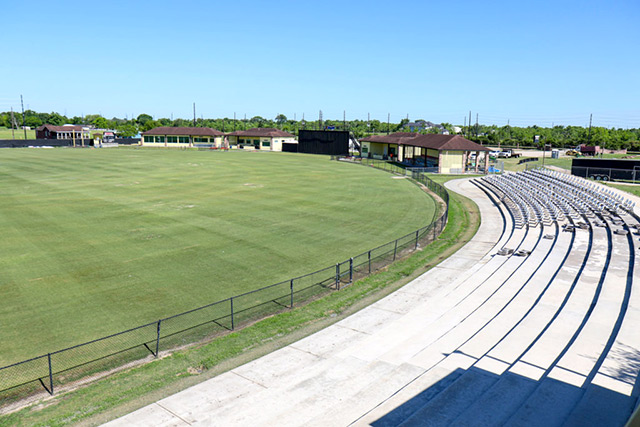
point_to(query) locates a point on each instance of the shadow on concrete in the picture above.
(476, 397)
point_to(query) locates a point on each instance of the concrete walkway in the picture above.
(480, 339)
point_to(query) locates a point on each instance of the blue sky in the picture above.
(544, 62)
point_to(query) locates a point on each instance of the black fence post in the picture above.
(291, 285)
(158, 338)
(417, 233)
(50, 374)
(369, 262)
(350, 270)
(395, 250)
(338, 276)
(232, 322)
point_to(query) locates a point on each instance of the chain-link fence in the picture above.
(113, 351)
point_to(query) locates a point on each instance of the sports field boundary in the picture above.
(73, 363)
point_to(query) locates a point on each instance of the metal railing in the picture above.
(115, 350)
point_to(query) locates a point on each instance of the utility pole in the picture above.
(469, 133)
(13, 122)
(23, 125)
(589, 136)
(194, 114)
(320, 120)
(476, 125)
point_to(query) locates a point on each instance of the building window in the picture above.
(172, 139)
(183, 139)
(266, 143)
(148, 139)
(159, 138)
(200, 139)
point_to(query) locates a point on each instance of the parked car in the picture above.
(504, 154)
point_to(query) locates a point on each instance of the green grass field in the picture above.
(97, 241)
(629, 188)
(5, 133)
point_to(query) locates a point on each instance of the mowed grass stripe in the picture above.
(96, 241)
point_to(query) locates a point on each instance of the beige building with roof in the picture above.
(447, 153)
(263, 139)
(167, 136)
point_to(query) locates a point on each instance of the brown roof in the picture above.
(169, 130)
(61, 128)
(393, 138)
(433, 141)
(272, 132)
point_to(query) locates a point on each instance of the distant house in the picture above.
(166, 136)
(62, 132)
(265, 139)
(423, 125)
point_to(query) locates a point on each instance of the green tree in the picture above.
(32, 121)
(150, 125)
(101, 123)
(258, 121)
(281, 119)
(55, 119)
(143, 118)
(127, 130)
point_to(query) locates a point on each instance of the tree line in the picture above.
(556, 136)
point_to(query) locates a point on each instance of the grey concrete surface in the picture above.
(481, 339)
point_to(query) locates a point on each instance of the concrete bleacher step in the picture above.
(447, 405)
(549, 405)
(498, 403)
(400, 406)
(600, 407)
(523, 303)
(561, 330)
(343, 400)
(454, 326)
(510, 347)
(349, 408)
(603, 322)
(463, 321)
(304, 395)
